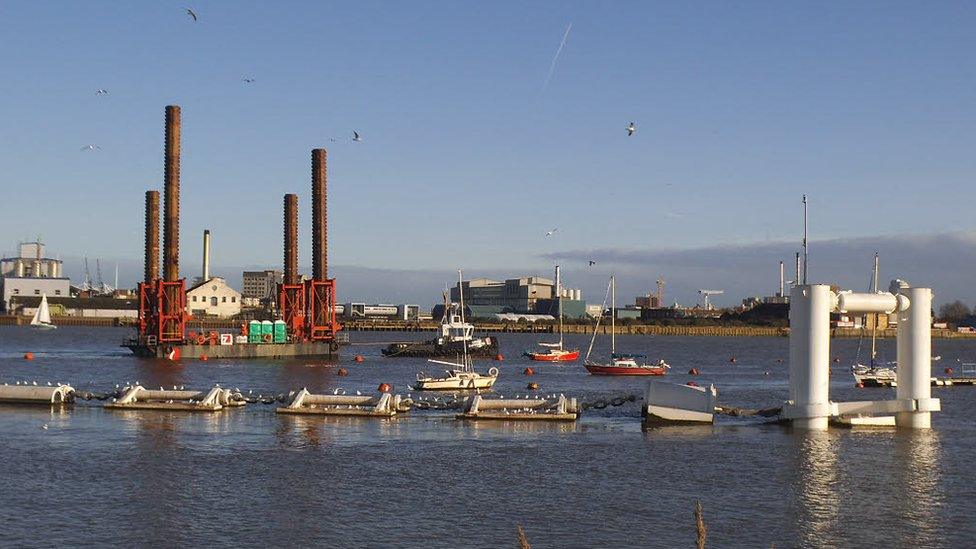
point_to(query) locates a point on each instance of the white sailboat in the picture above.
(461, 375)
(42, 316)
(873, 374)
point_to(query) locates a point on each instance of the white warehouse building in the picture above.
(213, 297)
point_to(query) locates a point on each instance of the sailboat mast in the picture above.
(806, 257)
(613, 315)
(559, 296)
(874, 326)
(464, 338)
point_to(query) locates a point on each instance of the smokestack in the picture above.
(782, 280)
(171, 180)
(152, 237)
(206, 255)
(291, 239)
(320, 232)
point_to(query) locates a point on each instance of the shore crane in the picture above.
(707, 293)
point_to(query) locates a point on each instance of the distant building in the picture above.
(649, 301)
(213, 298)
(31, 274)
(261, 284)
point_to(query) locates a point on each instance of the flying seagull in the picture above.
(191, 13)
(91, 147)
(101, 92)
(631, 129)
(592, 263)
(356, 137)
(552, 232)
(335, 139)
(247, 80)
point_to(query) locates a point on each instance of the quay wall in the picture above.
(498, 327)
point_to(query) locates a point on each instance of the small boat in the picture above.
(42, 316)
(620, 364)
(555, 352)
(873, 374)
(461, 375)
(456, 335)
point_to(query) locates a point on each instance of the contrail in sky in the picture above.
(555, 58)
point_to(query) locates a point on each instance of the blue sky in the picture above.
(741, 107)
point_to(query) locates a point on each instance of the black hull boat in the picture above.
(486, 346)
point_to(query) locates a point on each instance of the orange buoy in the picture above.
(529, 372)
(499, 357)
(948, 370)
(359, 358)
(342, 372)
(532, 386)
(693, 372)
(860, 385)
(28, 356)
(204, 357)
(691, 384)
(385, 388)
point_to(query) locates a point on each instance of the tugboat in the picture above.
(456, 335)
(461, 375)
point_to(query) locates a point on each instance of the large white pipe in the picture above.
(850, 302)
(915, 358)
(782, 280)
(810, 307)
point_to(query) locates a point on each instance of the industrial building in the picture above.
(213, 298)
(261, 284)
(31, 273)
(527, 295)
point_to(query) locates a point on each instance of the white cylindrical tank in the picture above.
(849, 302)
(578, 294)
(914, 373)
(810, 307)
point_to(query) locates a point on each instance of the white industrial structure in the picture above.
(708, 293)
(810, 407)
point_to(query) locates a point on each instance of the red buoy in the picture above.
(529, 372)
(359, 358)
(860, 385)
(28, 356)
(532, 386)
(948, 370)
(204, 358)
(342, 372)
(691, 384)
(384, 388)
(693, 372)
(499, 357)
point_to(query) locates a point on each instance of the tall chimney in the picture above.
(782, 280)
(206, 255)
(320, 233)
(171, 180)
(152, 237)
(291, 239)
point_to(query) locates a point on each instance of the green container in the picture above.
(280, 331)
(254, 331)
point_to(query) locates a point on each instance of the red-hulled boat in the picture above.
(555, 354)
(555, 351)
(626, 366)
(620, 364)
